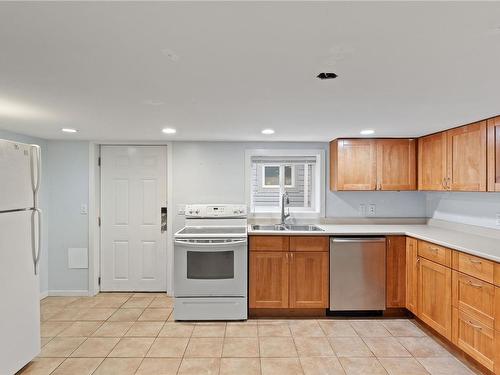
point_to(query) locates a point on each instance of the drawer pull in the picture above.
(474, 261)
(475, 326)
(474, 285)
(435, 249)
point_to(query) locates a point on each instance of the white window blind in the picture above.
(273, 175)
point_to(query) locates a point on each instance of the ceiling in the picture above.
(227, 70)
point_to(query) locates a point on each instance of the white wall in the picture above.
(68, 168)
(466, 208)
(215, 172)
(44, 202)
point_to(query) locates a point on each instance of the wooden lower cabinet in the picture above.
(289, 272)
(411, 275)
(434, 296)
(474, 337)
(268, 279)
(309, 280)
(396, 271)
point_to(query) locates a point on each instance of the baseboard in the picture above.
(44, 294)
(69, 293)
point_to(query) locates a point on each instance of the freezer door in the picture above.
(16, 186)
(19, 290)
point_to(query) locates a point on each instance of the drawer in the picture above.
(478, 267)
(436, 253)
(474, 338)
(474, 296)
(309, 243)
(269, 243)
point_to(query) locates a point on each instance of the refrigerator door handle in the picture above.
(36, 241)
(35, 174)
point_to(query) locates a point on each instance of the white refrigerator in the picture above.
(20, 239)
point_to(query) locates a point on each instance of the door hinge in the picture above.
(99, 281)
(99, 220)
(99, 161)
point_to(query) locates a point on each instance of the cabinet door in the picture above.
(432, 156)
(309, 280)
(474, 337)
(396, 271)
(466, 162)
(494, 154)
(411, 275)
(396, 164)
(268, 280)
(434, 296)
(355, 164)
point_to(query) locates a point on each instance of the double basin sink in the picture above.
(287, 228)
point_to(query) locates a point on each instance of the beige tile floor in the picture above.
(126, 333)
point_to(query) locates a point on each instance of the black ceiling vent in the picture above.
(326, 76)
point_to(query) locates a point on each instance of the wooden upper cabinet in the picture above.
(309, 275)
(396, 164)
(494, 154)
(466, 161)
(373, 164)
(432, 157)
(353, 164)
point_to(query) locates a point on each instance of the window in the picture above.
(270, 173)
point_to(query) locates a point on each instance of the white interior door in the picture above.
(133, 191)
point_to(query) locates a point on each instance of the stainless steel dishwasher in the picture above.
(357, 273)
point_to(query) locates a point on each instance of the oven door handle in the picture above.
(191, 243)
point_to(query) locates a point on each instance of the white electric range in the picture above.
(210, 263)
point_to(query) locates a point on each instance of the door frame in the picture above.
(95, 211)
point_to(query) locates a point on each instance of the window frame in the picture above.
(281, 169)
(296, 212)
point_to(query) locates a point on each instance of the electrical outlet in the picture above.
(498, 219)
(372, 210)
(84, 209)
(362, 209)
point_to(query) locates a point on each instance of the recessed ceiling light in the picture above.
(153, 102)
(170, 54)
(69, 130)
(367, 132)
(169, 131)
(268, 131)
(323, 76)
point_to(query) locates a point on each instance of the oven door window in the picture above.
(210, 265)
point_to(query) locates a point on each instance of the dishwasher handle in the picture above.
(358, 239)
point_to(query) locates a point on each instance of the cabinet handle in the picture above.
(444, 183)
(435, 249)
(474, 261)
(286, 257)
(418, 260)
(474, 285)
(475, 326)
(291, 256)
(449, 183)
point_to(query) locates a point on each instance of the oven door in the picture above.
(210, 267)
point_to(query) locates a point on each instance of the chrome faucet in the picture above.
(285, 199)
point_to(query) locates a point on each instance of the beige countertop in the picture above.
(475, 244)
